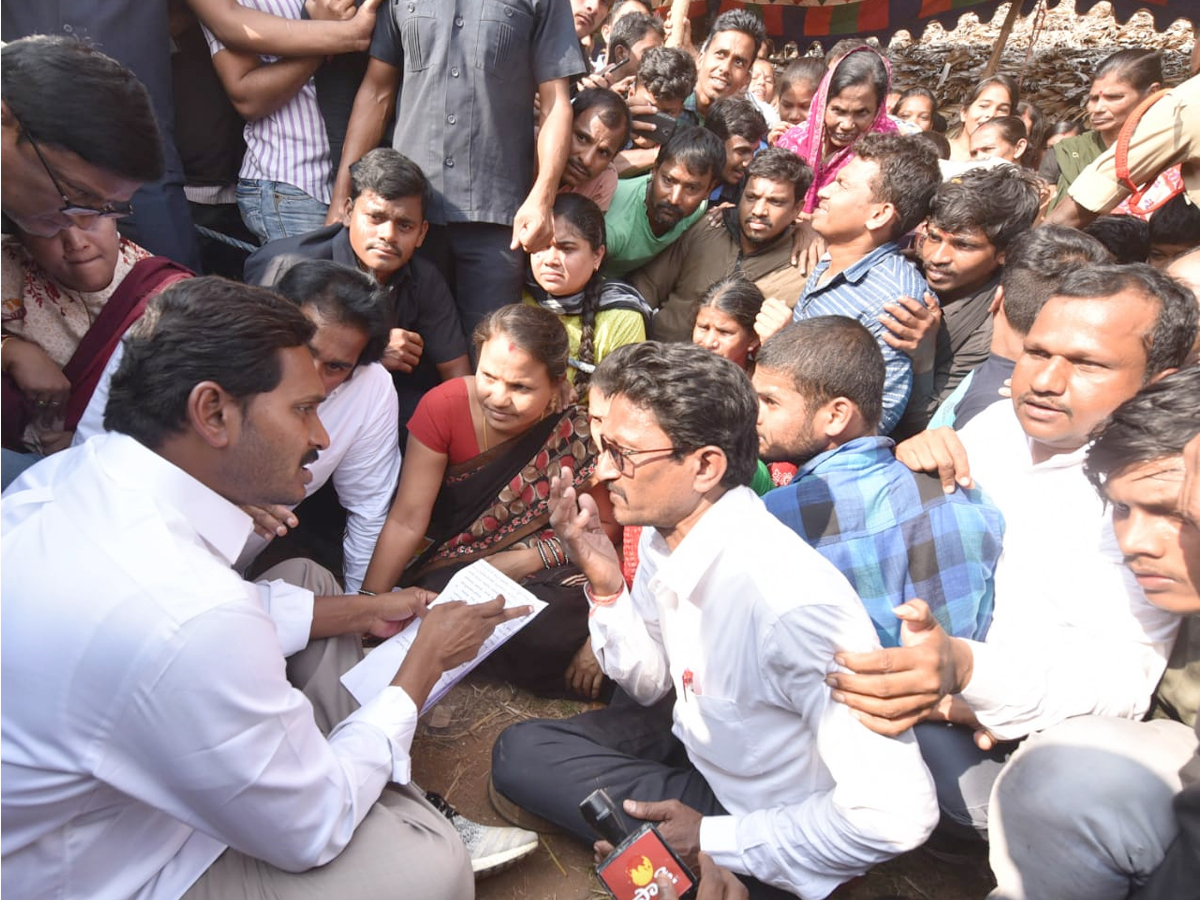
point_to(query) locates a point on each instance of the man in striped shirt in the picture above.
(878, 196)
(286, 176)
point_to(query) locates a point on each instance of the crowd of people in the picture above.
(850, 440)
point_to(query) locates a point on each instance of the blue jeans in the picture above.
(273, 209)
(14, 463)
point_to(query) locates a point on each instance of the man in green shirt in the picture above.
(649, 213)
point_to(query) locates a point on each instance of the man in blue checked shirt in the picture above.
(877, 197)
(895, 534)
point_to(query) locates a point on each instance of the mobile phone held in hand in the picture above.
(639, 856)
(664, 127)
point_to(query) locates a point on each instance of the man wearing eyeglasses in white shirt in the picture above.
(726, 735)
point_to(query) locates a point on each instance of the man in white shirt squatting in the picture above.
(734, 745)
(151, 744)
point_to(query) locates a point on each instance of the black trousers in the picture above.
(548, 766)
(481, 271)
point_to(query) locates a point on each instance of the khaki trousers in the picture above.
(403, 848)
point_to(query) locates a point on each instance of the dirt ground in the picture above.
(452, 756)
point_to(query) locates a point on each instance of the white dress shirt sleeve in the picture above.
(249, 766)
(628, 643)
(291, 609)
(1016, 690)
(366, 476)
(881, 801)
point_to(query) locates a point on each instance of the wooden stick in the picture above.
(677, 16)
(1014, 11)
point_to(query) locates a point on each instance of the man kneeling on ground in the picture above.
(726, 734)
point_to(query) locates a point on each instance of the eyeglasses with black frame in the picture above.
(116, 210)
(621, 457)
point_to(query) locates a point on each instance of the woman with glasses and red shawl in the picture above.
(850, 102)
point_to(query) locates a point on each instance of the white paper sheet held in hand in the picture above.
(477, 583)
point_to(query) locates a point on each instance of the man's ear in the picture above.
(1163, 374)
(997, 299)
(711, 464)
(213, 414)
(7, 119)
(883, 217)
(619, 54)
(424, 231)
(835, 417)
(347, 211)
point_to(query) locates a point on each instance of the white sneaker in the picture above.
(492, 849)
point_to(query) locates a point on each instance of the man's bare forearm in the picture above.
(372, 106)
(241, 28)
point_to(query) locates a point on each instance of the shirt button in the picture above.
(458, 21)
(449, 162)
(68, 29)
(451, 118)
(454, 71)
(508, 11)
(412, 7)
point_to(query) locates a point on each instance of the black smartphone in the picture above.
(664, 127)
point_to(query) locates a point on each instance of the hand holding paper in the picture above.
(476, 612)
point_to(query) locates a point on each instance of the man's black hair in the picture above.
(739, 20)
(778, 164)
(1127, 238)
(611, 109)
(1035, 264)
(1156, 423)
(390, 175)
(616, 8)
(827, 357)
(631, 28)
(200, 329)
(343, 296)
(1176, 222)
(696, 149)
(668, 73)
(1170, 338)
(697, 398)
(69, 95)
(736, 116)
(908, 176)
(1000, 201)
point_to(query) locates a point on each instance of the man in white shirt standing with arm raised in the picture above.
(739, 619)
(151, 744)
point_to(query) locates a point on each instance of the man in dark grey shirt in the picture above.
(972, 219)
(463, 74)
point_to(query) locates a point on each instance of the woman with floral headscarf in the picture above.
(850, 102)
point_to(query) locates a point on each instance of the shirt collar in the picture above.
(857, 271)
(850, 455)
(1072, 460)
(681, 570)
(222, 525)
